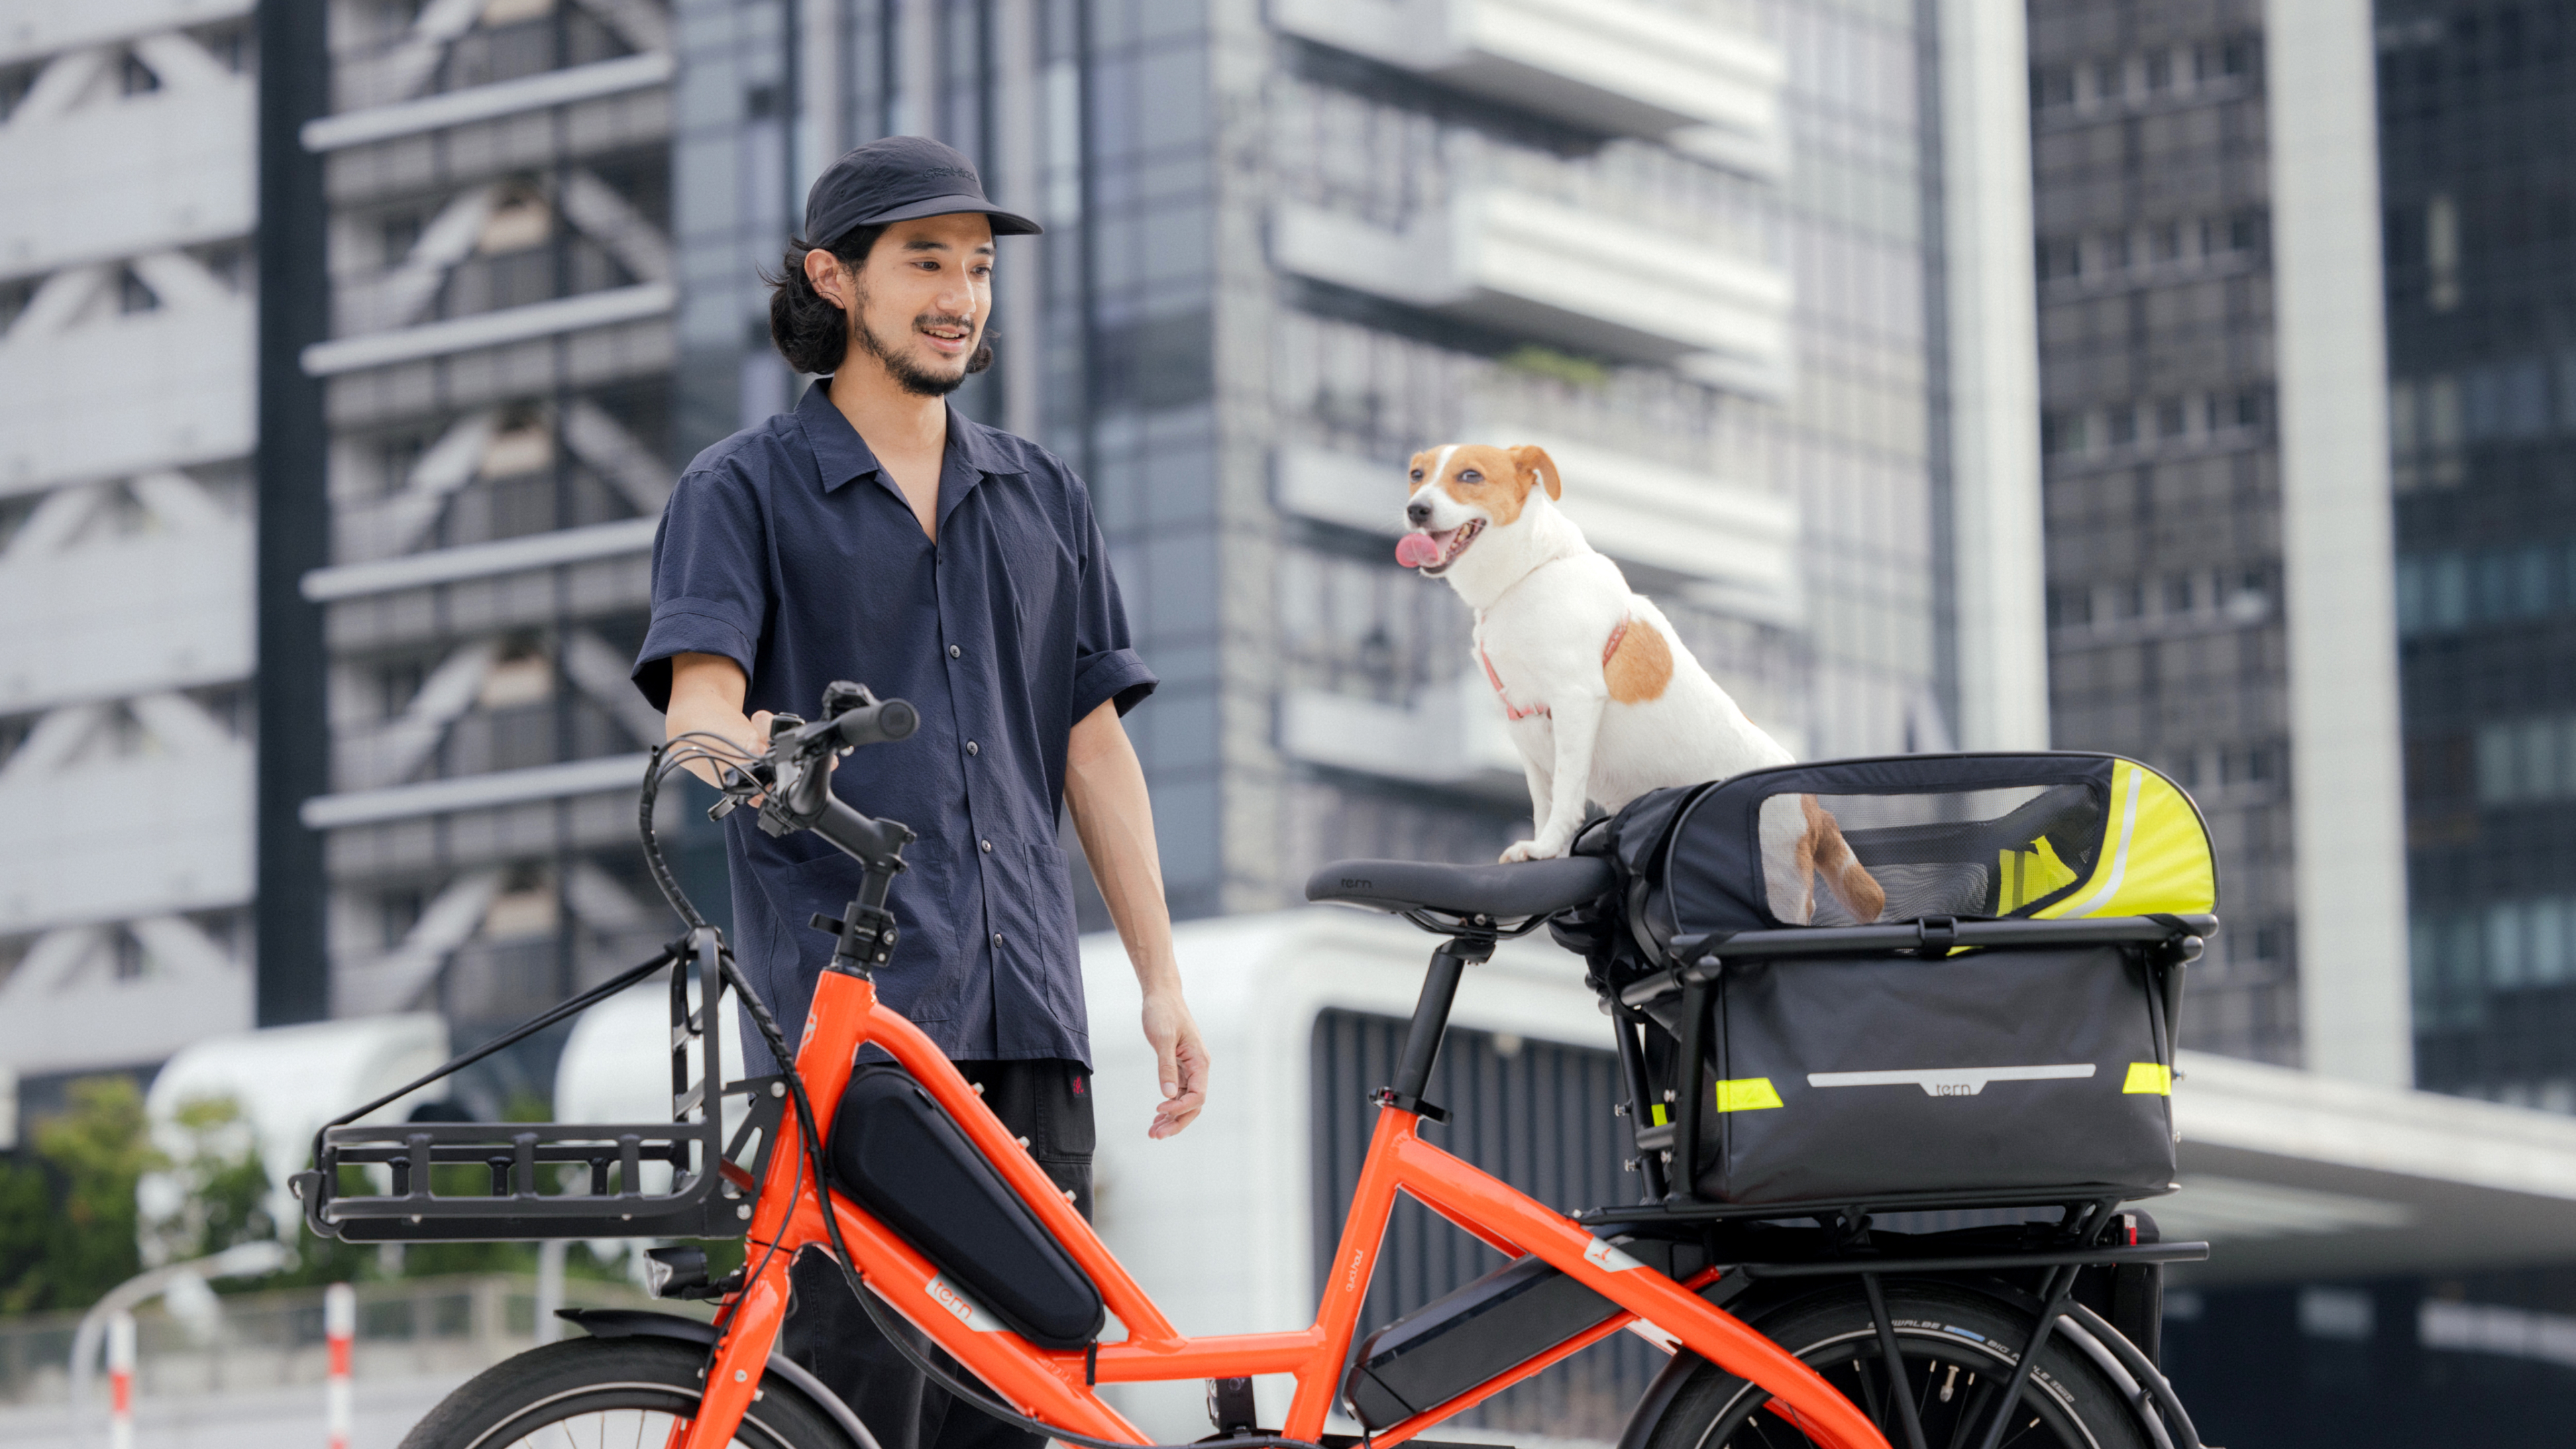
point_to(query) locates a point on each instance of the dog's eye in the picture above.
(1471, 476)
(1417, 475)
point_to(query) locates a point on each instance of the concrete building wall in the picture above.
(126, 423)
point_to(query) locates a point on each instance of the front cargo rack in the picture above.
(509, 1181)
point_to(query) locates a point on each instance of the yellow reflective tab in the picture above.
(2150, 1079)
(1747, 1094)
(2029, 874)
(1657, 1112)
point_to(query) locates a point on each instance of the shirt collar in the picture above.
(841, 455)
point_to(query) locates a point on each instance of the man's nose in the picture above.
(1418, 513)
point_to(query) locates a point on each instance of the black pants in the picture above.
(1047, 1102)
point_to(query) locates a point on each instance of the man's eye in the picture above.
(1471, 476)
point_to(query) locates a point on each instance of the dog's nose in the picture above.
(1418, 513)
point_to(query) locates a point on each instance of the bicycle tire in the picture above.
(639, 1386)
(1959, 1350)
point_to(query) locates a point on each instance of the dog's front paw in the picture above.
(1540, 849)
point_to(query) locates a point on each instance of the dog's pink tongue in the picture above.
(1416, 549)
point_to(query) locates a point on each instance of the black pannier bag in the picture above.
(897, 1155)
(1837, 1063)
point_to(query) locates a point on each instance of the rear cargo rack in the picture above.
(503, 1181)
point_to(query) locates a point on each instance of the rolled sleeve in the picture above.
(710, 580)
(1106, 665)
(1115, 674)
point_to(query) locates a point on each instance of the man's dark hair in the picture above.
(804, 325)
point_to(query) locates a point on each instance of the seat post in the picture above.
(1431, 1022)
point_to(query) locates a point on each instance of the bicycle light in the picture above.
(672, 1272)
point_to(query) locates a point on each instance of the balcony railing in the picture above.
(1530, 265)
(1616, 66)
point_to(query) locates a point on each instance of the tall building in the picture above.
(1694, 249)
(2482, 392)
(2215, 495)
(1735, 264)
(454, 571)
(126, 435)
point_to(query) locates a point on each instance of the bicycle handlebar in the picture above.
(877, 724)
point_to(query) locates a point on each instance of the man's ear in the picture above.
(1531, 458)
(825, 274)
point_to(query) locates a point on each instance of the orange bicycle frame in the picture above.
(1056, 1386)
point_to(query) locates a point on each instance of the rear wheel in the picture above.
(608, 1393)
(1959, 1351)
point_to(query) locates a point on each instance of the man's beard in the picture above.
(908, 374)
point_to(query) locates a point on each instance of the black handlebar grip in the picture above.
(892, 719)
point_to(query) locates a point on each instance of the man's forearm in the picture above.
(1105, 789)
(706, 698)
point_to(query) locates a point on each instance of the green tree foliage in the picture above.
(67, 1218)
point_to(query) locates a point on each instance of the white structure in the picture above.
(2338, 559)
(126, 419)
(285, 1082)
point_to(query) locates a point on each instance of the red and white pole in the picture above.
(120, 1381)
(340, 1327)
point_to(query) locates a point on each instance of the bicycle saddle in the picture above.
(1503, 892)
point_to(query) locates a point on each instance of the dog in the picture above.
(1602, 698)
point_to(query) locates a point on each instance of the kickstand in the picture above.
(2056, 1298)
(1896, 1375)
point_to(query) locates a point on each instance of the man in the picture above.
(875, 535)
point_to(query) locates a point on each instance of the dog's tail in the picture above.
(1838, 868)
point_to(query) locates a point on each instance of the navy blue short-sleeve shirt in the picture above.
(788, 550)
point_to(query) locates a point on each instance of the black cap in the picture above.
(899, 178)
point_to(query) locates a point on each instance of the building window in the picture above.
(2527, 760)
(2124, 426)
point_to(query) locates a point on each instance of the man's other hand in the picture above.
(1180, 1061)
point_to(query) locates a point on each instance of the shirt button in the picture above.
(955, 653)
(987, 846)
(973, 748)
(997, 940)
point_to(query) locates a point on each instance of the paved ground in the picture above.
(267, 1419)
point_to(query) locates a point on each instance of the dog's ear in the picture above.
(1531, 458)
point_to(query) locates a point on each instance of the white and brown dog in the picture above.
(1603, 700)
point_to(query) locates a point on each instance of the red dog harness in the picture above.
(1618, 636)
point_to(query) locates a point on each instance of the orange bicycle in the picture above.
(940, 1219)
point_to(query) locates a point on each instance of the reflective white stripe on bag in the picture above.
(2120, 857)
(1951, 1081)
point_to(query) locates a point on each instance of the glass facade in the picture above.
(2166, 639)
(2482, 391)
